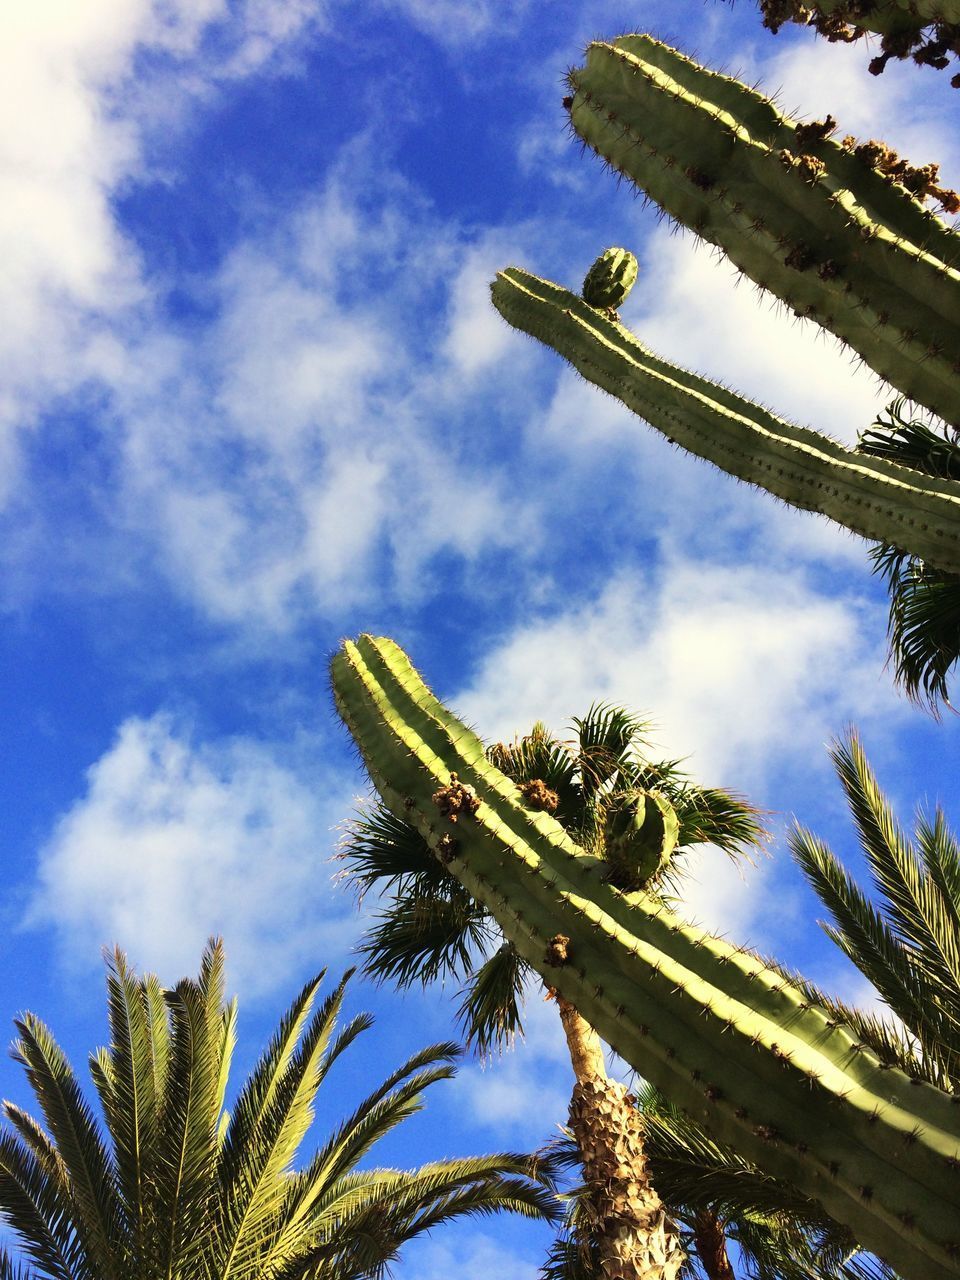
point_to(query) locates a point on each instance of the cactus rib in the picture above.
(725, 1036)
(807, 219)
(871, 496)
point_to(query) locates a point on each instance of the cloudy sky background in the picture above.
(253, 398)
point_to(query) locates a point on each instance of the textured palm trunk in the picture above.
(635, 1239)
(712, 1246)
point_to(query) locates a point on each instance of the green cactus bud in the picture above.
(640, 834)
(610, 279)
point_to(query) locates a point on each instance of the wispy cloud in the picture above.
(525, 1091)
(84, 86)
(174, 840)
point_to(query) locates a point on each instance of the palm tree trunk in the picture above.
(712, 1246)
(635, 1239)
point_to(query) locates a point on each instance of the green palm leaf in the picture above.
(42, 1211)
(424, 935)
(75, 1132)
(490, 1008)
(924, 619)
(254, 1193)
(908, 945)
(923, 918)
(218, 1197)
(606, 737)
(188, 1132)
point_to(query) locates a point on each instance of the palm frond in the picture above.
(861, 931)
(74, 1130)
(911, 443)
(10, 1270)
(188, 1143)
(710, 815)
(252, 1201)
(606, 736)
(398, 1097)
(127, 1088)
(381, 1209)
(422, 936)
(924, 618)
(385, 853)
(490, 1009)
(923, 623)
(538, 754)
(922, 918)
(42, 1212)
(258, 1092)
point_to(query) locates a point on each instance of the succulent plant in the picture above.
(610, 279)
(871, 495)
(928, 31)
(744, 1049)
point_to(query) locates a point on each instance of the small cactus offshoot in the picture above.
(610, 279)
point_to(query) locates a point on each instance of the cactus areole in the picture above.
(610, 279)
(723, 1035)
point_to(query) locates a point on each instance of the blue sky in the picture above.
(253, 398)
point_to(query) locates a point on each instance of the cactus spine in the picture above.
(871, 496)
(817, 224)
(723, 1034)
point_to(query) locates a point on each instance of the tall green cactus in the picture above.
(817, 222)
(870, 495)
(727, 1037)
(928, 31)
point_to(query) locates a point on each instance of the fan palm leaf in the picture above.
(924, 618)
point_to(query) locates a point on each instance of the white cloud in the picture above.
(747, 670)
(467, 1252)
(270, 460)
(174, 841)
(524, 1092)
(76, 110)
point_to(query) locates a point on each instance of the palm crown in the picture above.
(431, 928)
(182, 1188)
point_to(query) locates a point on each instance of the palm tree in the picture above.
(907, 944)
(180, 1188)
(432, 928)
(924, 618)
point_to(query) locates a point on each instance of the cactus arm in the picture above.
(875, 498)
(722, 1034)
(833, 238)
(888, 17)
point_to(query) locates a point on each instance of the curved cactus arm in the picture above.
(722, 1034)
(926, 31)
(834, 238)
(870, 496)
(882, 16)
